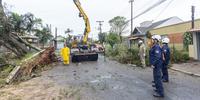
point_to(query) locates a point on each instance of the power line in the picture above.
(142, 7)
(151, 7)
(162, 11)
(145, 11)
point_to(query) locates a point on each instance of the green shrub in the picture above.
(125, 55)
(179, 56)
(185, 56)
(4, 71)
(2, 82)
(2, 60)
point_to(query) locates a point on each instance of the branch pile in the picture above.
(37, 62)
(44, 58)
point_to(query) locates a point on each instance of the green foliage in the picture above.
(179, 56)
(2, 82)
(187, 40)
(2, 60)
(31, 23)
(118, 25)
(16, 21)
(102, 37)
(4, 72)
(24, 23)
(112, 39)
(123, 54)
(44, 35)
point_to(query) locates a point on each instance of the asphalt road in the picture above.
(101, 80)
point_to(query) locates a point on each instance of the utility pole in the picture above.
(193, 11)
(100, 32)
(55, 41)
(131, 1)
(100, 26)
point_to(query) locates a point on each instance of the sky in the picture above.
(63, 14)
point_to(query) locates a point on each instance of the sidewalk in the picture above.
(192, 68)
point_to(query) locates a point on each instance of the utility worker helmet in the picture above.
(156, 37)
(140, 42)
(165, 40)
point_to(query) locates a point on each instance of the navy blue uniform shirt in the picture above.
(155, 55)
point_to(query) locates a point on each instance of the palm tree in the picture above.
(44, 35)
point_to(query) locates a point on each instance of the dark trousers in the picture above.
(165, 72)
(158, 79)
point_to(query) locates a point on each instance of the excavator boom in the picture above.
(83, 53)
(86, 20)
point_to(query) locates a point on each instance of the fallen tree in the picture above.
(36, 62)
(11, 40)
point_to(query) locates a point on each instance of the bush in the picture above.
(179, 56)
(123, 54)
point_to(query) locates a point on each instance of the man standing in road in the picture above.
(142, 53)
(166, 59)
(65, 53)
(155, 57)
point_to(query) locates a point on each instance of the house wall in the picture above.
(176, 28)
(175, 32)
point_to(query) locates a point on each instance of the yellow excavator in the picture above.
(81, 51)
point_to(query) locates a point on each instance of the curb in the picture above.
(185, 72)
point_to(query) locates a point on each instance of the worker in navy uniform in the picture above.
(155, 57)
(166, 59)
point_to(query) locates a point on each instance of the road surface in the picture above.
(101, 80)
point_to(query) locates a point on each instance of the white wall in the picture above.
(195, 46)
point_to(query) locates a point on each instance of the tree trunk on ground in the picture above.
(11, 40)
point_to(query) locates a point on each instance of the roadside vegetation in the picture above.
(13, 48)
(7, 66)
(118, 49)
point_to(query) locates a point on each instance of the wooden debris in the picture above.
(45, 57)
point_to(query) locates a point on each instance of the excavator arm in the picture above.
(86, 20)
(83, 53)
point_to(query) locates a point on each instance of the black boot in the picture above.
(156, 94)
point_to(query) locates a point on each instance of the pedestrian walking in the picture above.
(166, 59)
(65, 53)
(142, 52)
(155, 57)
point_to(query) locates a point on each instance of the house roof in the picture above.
(143, 30)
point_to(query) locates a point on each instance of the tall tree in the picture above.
(31, 23)
(11, 40)
(118, 25)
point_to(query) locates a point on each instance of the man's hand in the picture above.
(152, 66)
